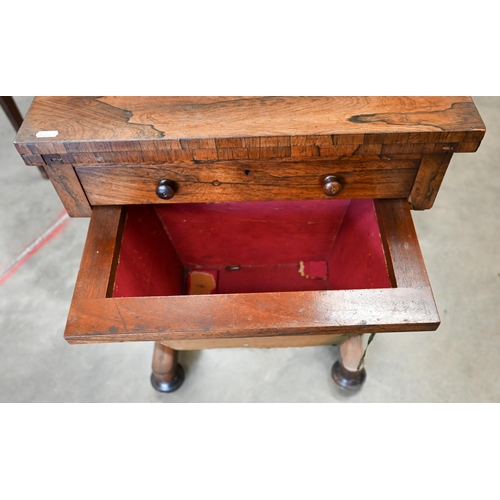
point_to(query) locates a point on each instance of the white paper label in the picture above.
(47, 133)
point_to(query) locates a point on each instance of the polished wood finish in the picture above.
(167, 375)
(164, 362)
(348, 372)
(245, 181)
(69, 189)
(115, 124)
(255, 314)
(404, 258)
(198, 157)
(100, 254)
(332, 185)
(166, 189)
(172, 154)
(201, 142)
(428, 181)
(100, 318)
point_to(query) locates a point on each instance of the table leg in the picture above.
(13, 114)
(345, 371)
(168, 374)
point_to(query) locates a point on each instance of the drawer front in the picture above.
(249, 181)
(220, 274)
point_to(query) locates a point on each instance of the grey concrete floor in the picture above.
(460, 362)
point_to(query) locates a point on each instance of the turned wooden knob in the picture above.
(331, 185)
(166, 189)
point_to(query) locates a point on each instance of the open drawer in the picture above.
(250, 273)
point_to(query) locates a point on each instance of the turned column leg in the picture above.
(168, 374)
(345, 371)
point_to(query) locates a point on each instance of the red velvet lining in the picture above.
(251, 247)
(357, 259)
(148, 263)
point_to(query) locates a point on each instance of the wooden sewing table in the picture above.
(248, 221)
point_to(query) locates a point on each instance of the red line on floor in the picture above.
(32, 249)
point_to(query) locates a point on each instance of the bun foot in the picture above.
(161, 385)
(345, 379)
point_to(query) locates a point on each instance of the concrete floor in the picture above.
(460, 362)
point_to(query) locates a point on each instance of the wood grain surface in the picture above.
(247, 181)
(292, 126)
(69, 189)
(428, 180)
(100, 253)
(96, 317)
(405, 261)
(200, 141)
(255, 314)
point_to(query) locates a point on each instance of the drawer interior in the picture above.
(250, 273)
(250, 247)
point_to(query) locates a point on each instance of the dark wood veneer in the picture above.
(162, 264)
(194, 138)
(96, 317)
